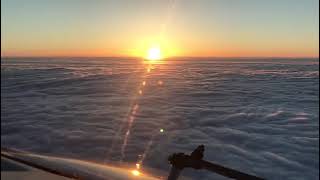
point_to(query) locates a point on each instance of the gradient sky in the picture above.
(246, 28)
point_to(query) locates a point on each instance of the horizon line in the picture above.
(224, 57)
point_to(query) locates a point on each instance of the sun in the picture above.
(154, 54)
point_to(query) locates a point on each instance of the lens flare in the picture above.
(135, 172)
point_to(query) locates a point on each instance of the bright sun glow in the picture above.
(135, 172)
(154, 54)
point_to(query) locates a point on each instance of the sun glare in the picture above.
(135, 172)
(154, 54)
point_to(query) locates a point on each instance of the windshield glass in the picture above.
(259, 115)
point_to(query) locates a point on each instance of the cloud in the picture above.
(259, 118)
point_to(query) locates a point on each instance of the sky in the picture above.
(219, 28)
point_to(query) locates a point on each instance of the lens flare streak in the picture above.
(130, 122)
(131, 117)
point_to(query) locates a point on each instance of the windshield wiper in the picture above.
(179, 161)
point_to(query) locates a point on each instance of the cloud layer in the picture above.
(257, 116)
